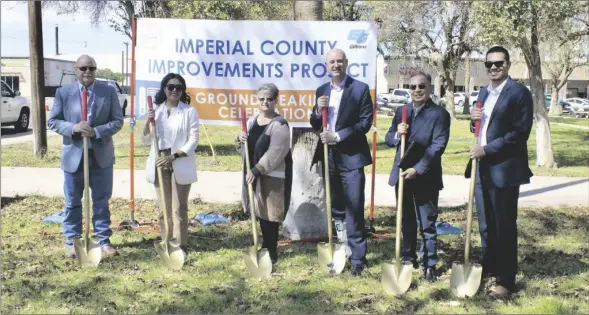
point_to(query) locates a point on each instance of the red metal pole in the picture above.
(132, 136)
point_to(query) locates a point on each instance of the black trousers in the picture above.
(420, 211)
(270, 237)
(497, 215)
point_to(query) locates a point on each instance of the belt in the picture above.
(169, 151)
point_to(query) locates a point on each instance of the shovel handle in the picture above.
(86, 169)
(470, 208)
(327, 183)
(250, 189)
(163, 203)
(400, 196)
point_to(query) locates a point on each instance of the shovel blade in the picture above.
(258, 262)
(88, 252)
(465, 280)
(171, 254)
(396, 282)
(332, 263)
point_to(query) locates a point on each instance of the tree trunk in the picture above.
(555, 108)
(306, 217)
(544, 153)
(37, 80)
(449, 85)
(467, 100)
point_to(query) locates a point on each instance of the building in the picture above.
(16, 72)
(395, 74)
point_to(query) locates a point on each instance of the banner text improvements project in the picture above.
(225, 62)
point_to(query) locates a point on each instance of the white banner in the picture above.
(225, 62)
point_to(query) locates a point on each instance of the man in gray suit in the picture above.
(105, 118)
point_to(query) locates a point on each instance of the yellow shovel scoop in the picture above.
(88, 251)
(465, 279)
(170, 252)
(396, 275)
(257, 261)
(332, 257)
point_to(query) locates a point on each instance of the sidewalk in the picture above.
(225, 187)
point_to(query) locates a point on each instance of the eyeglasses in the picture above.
(421, 86)
(262, 99)
(498, 64)
(177, 87)
(83, 69)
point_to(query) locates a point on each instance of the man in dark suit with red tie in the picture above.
(428, 132)
(350, 113)
(506, 123)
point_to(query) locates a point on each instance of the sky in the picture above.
(76, 36)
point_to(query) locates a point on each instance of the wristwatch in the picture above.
(176, 155)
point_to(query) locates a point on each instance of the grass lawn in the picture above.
(570, 120)
(569, 145)
(36, 278)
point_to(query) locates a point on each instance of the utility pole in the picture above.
(56, 40)
(127, 63)
(123, 67)
(37, 79)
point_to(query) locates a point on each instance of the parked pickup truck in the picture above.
(16, 110)
(123, 97)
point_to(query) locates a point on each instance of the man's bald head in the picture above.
(86, 70)
(337, 64)
(336, 53)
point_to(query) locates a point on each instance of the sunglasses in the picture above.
(83, 69)
(262, 99)
(421, 86)
(498, 64)
(177, 87)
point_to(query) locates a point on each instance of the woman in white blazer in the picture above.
(177, 128)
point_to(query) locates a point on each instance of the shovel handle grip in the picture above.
(477, 123)
(324, 117)
(404, 115)
(150, 106)
(84, 104)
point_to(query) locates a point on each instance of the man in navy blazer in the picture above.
(105, 118)
(506, 123)
(350, 113)
(428, 125)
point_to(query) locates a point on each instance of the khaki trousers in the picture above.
(177, 204)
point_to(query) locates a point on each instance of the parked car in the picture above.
(473, 98)
(124, 98)
(459, 99)
(402, 96)
(578, 107)
(16, 110)
(381, 102)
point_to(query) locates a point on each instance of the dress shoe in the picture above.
(70, 252)
(429, 274)
(357, 269)
(499, 292)
(108, 251)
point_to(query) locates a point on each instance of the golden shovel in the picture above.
(332, 257)
(257, 260)
(396, 275)
(170, 252)
(465, 279)
(88, 251)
